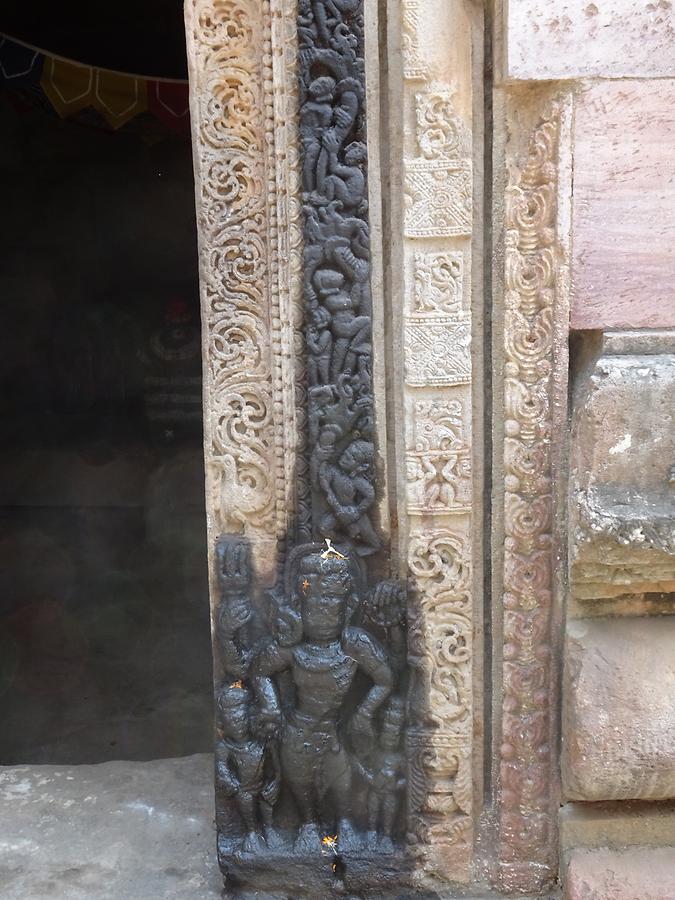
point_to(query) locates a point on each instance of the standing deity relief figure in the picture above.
(312, 713)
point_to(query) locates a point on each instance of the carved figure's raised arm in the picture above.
(234, 613)
(234, 577)
(269, 659)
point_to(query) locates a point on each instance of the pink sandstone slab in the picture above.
(618, 715)
(551, 39)
(640, 874)
(623, 206)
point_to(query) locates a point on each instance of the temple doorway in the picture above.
(104, 624)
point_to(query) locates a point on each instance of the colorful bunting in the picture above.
(72, 87)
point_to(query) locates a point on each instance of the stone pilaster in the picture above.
(530, 316)
(437, 497)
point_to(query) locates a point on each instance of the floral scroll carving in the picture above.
(438, 469)
(247, 178)
(439, 282)
(438, 183)
(527, 857)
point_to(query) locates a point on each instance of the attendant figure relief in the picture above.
(247, 767)
(385, 776)
(348, 489)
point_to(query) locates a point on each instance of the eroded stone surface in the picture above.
(623, 266)
(618, 711)
(622, 516)
(534, 332)
(115, 831)
(645, 874)
(547, 39)
(616, 825)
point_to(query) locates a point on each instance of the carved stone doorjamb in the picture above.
(435, 290)
(530, 322)
(245, 109)
(250, 238)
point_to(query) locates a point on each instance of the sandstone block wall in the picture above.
(623, 204)
(550, 40)
(627, 875)
(607, 70)
(622, 470)
(618, 714)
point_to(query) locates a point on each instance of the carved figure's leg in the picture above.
(271, 834)
(298, 769)
(373, 807)
(388, 816)
(340, 348)
(312, 368)
(254, 842)
(364, 529)
(324, 359)
(328, 525)
(338, 778)
(311, 155)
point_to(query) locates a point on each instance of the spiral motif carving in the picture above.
(527, 858)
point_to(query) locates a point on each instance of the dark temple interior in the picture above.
(104, 623)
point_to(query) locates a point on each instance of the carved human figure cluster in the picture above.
(337, 270)
(311, 707)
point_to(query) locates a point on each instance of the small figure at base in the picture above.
(386, 778)
(247, 768)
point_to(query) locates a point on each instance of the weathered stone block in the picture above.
(550, 40)
(622, 516)
(645, 874)
(616, 824)
(623, 207)
(618, 710)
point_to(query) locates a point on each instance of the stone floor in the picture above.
(114, 831)
(123, 831)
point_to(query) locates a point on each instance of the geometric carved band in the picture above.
(437, 402)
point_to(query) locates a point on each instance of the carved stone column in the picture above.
(439, 288)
